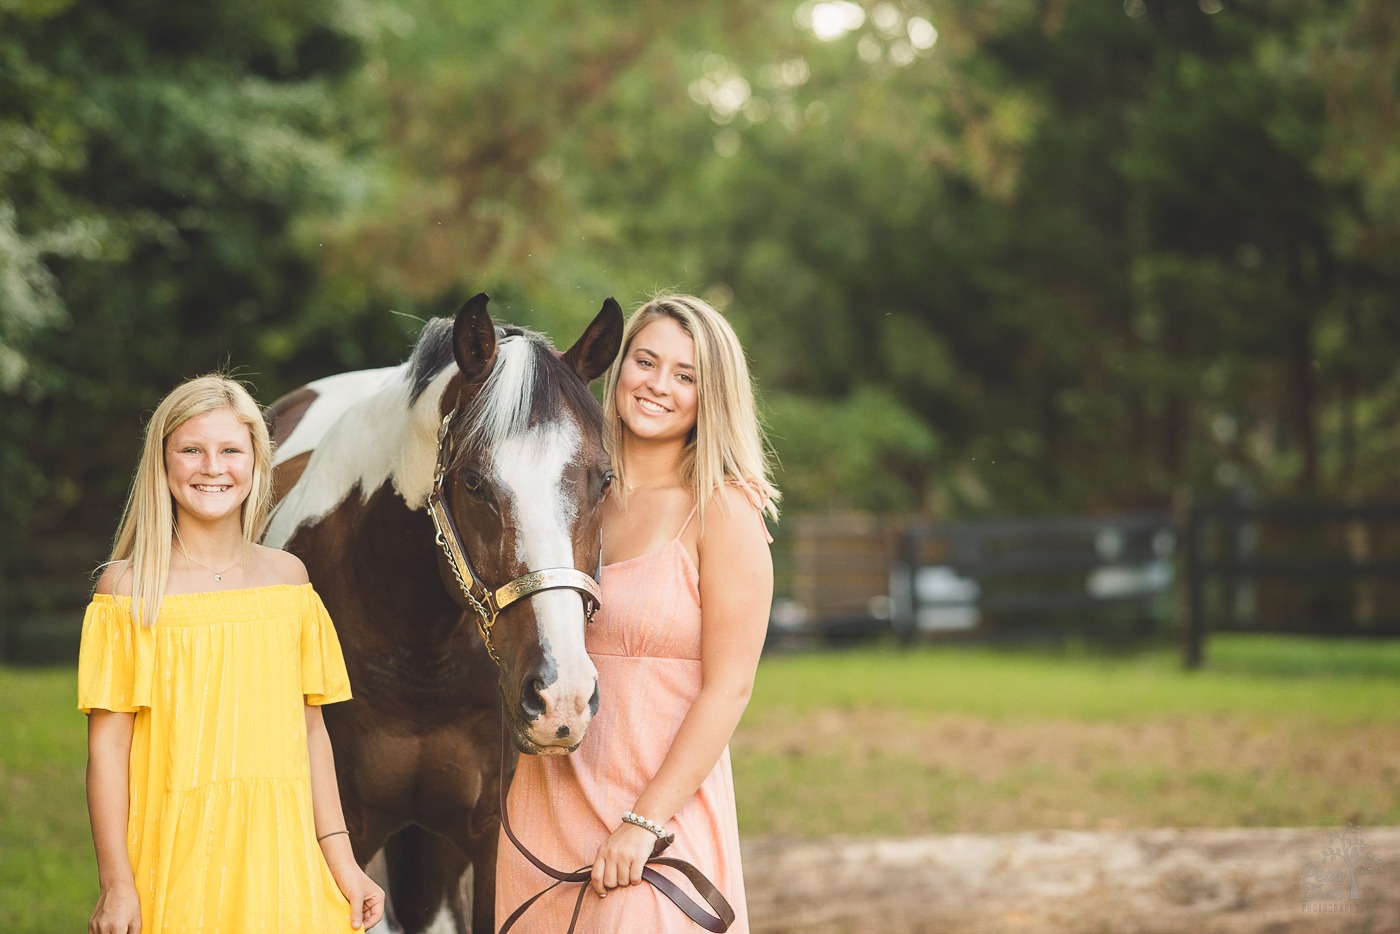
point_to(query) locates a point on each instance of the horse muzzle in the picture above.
(554, 716)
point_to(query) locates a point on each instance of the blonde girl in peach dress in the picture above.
(687, 583)
(204, 661)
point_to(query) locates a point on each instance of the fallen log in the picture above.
(1230, 881)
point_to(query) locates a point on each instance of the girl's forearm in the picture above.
(325, 792)
(109, 794)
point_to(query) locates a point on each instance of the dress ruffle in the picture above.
(115, 660)
(323, 676)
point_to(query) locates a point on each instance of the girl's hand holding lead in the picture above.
(622, 857)
(118, 911)
(364, 894)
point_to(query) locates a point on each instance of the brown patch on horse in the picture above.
(286, 413)
(452, 399)
(286, 474)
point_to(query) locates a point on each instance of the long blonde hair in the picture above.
(148, 521)
(727, 443)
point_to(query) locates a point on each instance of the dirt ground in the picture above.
(1216, 881)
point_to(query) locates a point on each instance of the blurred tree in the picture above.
(1352, 53)
(1105, 251)
(1025, 256)
(158, 163)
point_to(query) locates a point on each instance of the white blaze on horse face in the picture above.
(530, 468)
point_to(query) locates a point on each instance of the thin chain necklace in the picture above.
(631, 487)
(218, 575)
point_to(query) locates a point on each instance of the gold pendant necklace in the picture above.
(218, 575)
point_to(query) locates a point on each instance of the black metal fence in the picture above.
(1225, 564)
(43, 589)
(1013, 579)
(1230, 565)
(1319, 568)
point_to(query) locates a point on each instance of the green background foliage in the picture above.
(1023, 256)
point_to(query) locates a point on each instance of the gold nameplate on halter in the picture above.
(547, 579)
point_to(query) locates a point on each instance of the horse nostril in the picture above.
(593, 701)
(531, 701)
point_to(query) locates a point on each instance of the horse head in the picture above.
(519, 482)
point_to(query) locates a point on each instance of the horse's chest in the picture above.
(404, 768)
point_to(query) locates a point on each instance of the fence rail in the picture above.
(1210, 565)
(42, 595)
(1318, 568)
(1224, 565)
(1000, 578)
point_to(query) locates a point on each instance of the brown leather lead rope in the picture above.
(717, 923)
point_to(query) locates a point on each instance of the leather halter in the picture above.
(488, 603)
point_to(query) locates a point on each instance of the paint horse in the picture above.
(447, 510)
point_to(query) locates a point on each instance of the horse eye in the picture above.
(607, 482)
(473, 481)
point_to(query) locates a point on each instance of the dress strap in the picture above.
(757, 497)
(686, 524)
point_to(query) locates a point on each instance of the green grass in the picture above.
(1275, 731)
(1346, 682)
(45, 845)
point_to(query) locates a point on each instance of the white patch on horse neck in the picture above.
(442, 922)
(530, 466)
(361, 432)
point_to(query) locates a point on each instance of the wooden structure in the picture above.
(835, 573)
(1317, 568)
(1099, 576)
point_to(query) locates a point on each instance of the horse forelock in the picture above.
(529, 386)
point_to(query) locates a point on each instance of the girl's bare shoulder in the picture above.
(272, 566)
(115, 579)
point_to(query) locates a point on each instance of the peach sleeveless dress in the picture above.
(645, 643)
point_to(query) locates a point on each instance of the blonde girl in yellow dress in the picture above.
(205, 658)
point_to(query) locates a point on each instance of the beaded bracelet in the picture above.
(645, 824)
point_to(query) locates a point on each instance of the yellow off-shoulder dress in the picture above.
(220, 831)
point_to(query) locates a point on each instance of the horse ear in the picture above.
(474, 338)
(594, 351)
